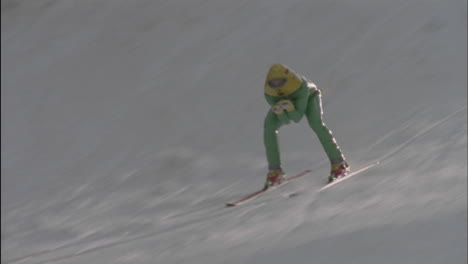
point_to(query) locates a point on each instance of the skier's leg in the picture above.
(314, 115)
(270, 139)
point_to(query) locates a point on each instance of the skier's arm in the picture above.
(300, 104)
(281, 115)
(271, 99)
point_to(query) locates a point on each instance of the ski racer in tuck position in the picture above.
(291, 96)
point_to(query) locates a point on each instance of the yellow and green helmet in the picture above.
(281, 81)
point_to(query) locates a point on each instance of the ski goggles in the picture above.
(276, 83)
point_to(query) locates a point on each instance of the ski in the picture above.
(366, 167)
(262, 191)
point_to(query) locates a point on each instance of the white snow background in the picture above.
(127, 125)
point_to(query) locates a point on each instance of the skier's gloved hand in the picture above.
(277, 109)
(280, 114)
(287, 105)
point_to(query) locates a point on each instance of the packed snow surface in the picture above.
(127, 125)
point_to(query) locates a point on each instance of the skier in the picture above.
(290, 97)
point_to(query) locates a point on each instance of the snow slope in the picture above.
(126, 126)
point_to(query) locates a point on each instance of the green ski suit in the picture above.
(306, 100)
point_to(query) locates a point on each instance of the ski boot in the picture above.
(338, 170)
(274, 177)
